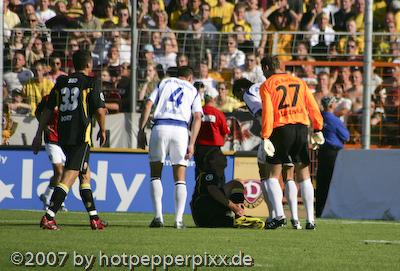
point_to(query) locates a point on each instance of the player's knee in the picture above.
(237, 191)
(238, 182)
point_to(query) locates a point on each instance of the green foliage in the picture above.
(334, 245)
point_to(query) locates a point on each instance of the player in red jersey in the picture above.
(54, 151)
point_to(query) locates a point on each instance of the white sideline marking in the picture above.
(263, 265)
(382, 241)
(396, 223)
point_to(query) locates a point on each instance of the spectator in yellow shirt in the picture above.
(36, 88)
(221, 14)
(238, 19)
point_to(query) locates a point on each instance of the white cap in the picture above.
(212, 92)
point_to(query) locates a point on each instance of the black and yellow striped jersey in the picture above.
(77, 97)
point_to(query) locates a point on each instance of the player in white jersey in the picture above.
(248, 92)
(176, 102)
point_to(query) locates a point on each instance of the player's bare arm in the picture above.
(142, 123)
(44, 119)
(220, 197)
(101, 120)
(195, 131)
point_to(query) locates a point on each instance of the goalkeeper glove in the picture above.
(268, 147)
(317, 139)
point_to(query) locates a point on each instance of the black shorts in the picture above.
(291, 144)
(77, 157)
(208, 212)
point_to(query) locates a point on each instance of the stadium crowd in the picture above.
(222, 40)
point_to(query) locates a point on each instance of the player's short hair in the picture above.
(240, 84)
(171, 72)
(210, 156)
(198, 85)
(272, 62)
(80, 59)
(185, 71)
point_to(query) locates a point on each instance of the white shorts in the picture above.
(55, 153)
(169, 139)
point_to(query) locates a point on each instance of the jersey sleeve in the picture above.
(252, 99)
(53, 97)
(97, 98)
(210, 178)
(267, 122)
(40, 107)
(196, 106)
(224, 128)
(155, 93)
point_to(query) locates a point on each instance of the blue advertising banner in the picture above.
(119, 181)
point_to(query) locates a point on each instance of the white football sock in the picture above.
(275, 195)
(48, 192)
(307, 194)
(291, 196)
(267, 200)
(180, 194)
(156, 192)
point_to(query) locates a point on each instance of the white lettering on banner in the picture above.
(5, 191)
(3, 159)
(27, 178)
(41, 188)
(126, 195)
(100, 179)
(126, 192)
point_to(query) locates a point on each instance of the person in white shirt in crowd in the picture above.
(253, 18)
(44, 13)
(201, 72)
(168, 58)
(16, 77)
(252, 71)
(343, 104)
(235, 57)
(124, 49)
(321, 36)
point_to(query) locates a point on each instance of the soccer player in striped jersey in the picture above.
(78, 97)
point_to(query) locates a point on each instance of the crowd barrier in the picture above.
(365, 185)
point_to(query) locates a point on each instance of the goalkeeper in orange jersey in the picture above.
(285, 101)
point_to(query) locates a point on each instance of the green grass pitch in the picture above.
(334, 245)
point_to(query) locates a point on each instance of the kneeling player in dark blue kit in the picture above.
(214, 200)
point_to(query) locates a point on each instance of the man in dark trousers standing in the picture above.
(335, 134)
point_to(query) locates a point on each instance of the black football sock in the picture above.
(58, 197)
(87, 198)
